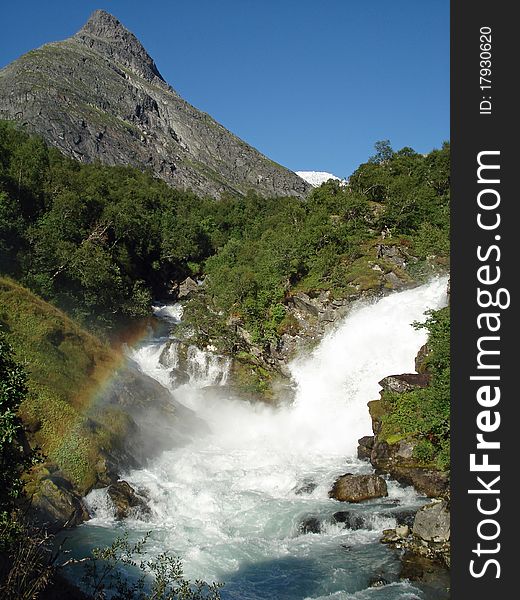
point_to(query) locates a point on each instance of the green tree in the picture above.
(13, 460)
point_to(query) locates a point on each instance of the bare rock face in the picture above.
(104, 34)
(405, 382)
(99, 96)
(356, 488)
(432, 522)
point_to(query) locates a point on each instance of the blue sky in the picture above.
(311, 83)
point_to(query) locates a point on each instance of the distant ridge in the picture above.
(100, 96)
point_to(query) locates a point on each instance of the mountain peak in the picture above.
(107, 36)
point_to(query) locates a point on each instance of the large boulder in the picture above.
(356, 488)
(310, 525)
(430, 482)
(432, 522)
(55, 505)
(126, 501)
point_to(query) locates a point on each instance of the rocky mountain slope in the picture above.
(99, 96)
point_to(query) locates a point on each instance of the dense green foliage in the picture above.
(101, 241)
(97, 241)
(13, 389)
(330, 240)
(424, 414)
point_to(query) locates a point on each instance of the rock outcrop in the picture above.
(356, 488)
(432, 522)
(99, 96)
(429, 536)
(54, 504)
(397, 458)
(127, 501)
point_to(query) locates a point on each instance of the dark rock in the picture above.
(60, 588)
(352, 520)
(404, 517)
(430, 482)
(405, 382)
(356, 488)
(302, 302)
(377, 582)
(178, 377)
(365, 446)
(126, 501)
(431, 575)
(307, 486)
(55, 505)
(420, 359)
(155, 421)
(310, 525)
(175, 355)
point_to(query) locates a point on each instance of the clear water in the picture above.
(226, 502)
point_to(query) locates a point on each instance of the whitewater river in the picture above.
(230, 503)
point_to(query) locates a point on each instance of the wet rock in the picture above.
(365, 446)
(307, 486)
(377, 582)
(352, 520)
(432, 522)
(430, 482)
(310, 525)
(430, 573)
(126, 501)
(356, 488)
(178, 377)
(404, 517)
(55, 505)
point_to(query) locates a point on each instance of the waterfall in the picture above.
(231, 502)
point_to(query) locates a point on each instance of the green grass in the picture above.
(66, 365)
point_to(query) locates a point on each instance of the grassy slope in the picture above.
(65, 365)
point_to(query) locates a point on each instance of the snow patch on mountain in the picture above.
(316, 178)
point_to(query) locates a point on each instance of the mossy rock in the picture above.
(251, 379)
(54, 504)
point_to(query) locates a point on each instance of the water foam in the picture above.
(228, 501)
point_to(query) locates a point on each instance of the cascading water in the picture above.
(245, 501)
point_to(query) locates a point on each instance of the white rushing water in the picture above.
(230, 502)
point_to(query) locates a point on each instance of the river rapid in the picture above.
(245, 500)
